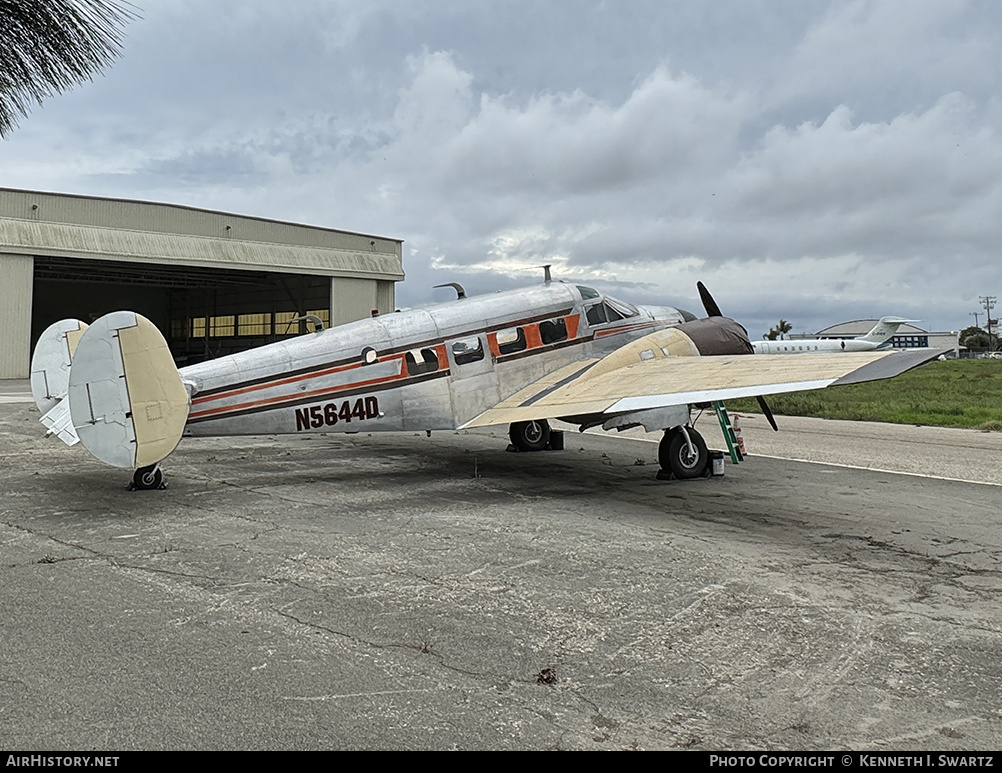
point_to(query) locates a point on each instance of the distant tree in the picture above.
(978, 340)
(49, 46)
(779, 330)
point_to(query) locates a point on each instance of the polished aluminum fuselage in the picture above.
(430, 368)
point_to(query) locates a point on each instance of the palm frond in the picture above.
(49, 46)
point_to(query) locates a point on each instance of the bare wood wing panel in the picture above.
(660, 381)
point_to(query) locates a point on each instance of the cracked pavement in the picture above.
(399, 591)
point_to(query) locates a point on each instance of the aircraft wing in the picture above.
(641, 377)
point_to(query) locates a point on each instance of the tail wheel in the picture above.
(529, 435)
(675, 455)
(148, 478)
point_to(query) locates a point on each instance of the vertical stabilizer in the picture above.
(50, 376)
(126, 398)
(884, 329)
(51, 361)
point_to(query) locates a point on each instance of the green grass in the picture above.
(954, 393)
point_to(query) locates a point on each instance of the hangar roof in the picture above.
(858, 327)
(92, 227)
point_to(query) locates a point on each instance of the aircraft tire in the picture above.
(529, 435)
(664, 448)
(148, 478)
(674, 456)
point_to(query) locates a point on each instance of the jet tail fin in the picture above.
(127, 402)
(885, 328)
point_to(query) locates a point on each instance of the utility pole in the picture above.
(975, 315)
(988, 301)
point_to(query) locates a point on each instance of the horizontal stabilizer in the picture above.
(126, 398)
(60, 423)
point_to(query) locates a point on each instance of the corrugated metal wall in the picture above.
(386, 296)
(221, 250)
(352, 299)
(16, 273)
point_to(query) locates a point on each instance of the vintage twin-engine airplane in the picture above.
(555, 350)
(877, 337)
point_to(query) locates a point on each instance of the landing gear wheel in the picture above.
(529, 435)
(674, 455)
(148, 478)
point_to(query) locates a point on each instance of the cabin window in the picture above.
(369, 355)
(466, 350)
(421, 361)
(511, 340)
(587, 293)
(553, 330)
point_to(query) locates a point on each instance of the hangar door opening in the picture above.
(202, 312)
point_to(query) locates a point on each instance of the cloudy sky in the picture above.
(810, 160)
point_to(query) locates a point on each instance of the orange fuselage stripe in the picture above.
(533, 341)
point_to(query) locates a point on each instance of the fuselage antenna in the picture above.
(460, 292)
(318, 324)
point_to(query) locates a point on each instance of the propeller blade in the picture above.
(712, 309)
(767, 411)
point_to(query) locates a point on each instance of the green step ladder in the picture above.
(728, 430)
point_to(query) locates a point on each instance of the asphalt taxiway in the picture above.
(400, 591)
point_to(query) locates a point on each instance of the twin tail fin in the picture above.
(111, 386)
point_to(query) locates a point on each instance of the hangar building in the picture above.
(213, 282)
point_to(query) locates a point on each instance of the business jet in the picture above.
(878, 336)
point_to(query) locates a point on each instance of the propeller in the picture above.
(767, 411)
(713, 310)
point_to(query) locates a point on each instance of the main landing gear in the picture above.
(535, 436)
(682, 453)
(148, 479)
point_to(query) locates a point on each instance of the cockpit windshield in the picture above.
(609, 310)
(625, 309)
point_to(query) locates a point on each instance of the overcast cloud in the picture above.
(812, 161)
